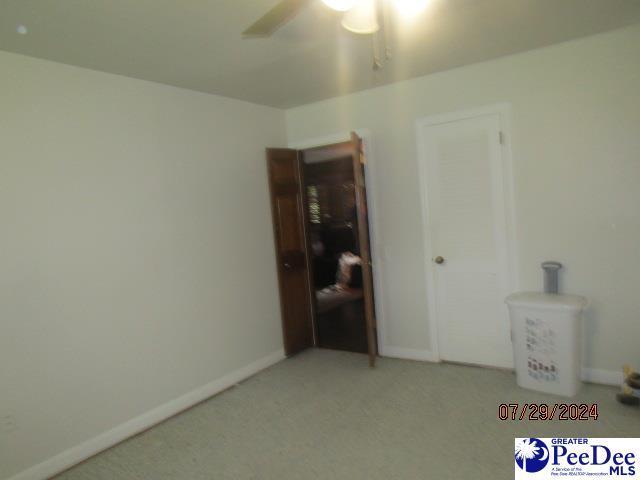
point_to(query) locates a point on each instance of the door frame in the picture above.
(503, 110)
(374, 234)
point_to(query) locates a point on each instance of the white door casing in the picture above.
(465, 178)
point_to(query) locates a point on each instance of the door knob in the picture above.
(287, 265)
(438, 260)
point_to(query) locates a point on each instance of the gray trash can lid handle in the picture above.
(551, 265)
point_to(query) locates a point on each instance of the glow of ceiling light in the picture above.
(410, 8)
(340, 5)
(362, 18)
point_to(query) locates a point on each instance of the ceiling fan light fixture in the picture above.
(410, 8)
(362, 18)
(340, 5)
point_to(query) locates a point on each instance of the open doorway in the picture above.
(336, 263)
(319, 207)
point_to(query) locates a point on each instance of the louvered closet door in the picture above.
(466, 225)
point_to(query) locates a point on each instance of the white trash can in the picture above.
(546, 335)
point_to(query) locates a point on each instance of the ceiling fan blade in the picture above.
(275, 18)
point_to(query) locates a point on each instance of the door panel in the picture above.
(290, 229)
(287, 204)
(467, 229)
(364, 246)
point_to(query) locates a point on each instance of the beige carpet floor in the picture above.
(325, 415)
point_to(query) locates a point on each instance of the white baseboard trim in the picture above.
(409, 354)
(79, 453)
(603, 377)
(589, 375)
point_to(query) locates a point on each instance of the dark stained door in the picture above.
(289, 220)
(357, 156)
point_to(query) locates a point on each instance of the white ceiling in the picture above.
(196, 44)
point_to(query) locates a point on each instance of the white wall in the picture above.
(136, 255)
(576, 149)
(136, 250)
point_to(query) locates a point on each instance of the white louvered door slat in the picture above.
(466, 223)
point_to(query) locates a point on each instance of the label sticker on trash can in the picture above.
(541, 349)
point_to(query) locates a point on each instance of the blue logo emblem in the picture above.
(532, 455)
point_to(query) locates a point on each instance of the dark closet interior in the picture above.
(336, 278)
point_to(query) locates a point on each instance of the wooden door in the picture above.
(358, 159)
(289, 220)
(467, 232)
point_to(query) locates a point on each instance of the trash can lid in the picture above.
(546, 301)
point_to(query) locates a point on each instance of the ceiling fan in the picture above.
(359, 16)
(365, 17)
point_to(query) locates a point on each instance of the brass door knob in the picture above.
(438, 260)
